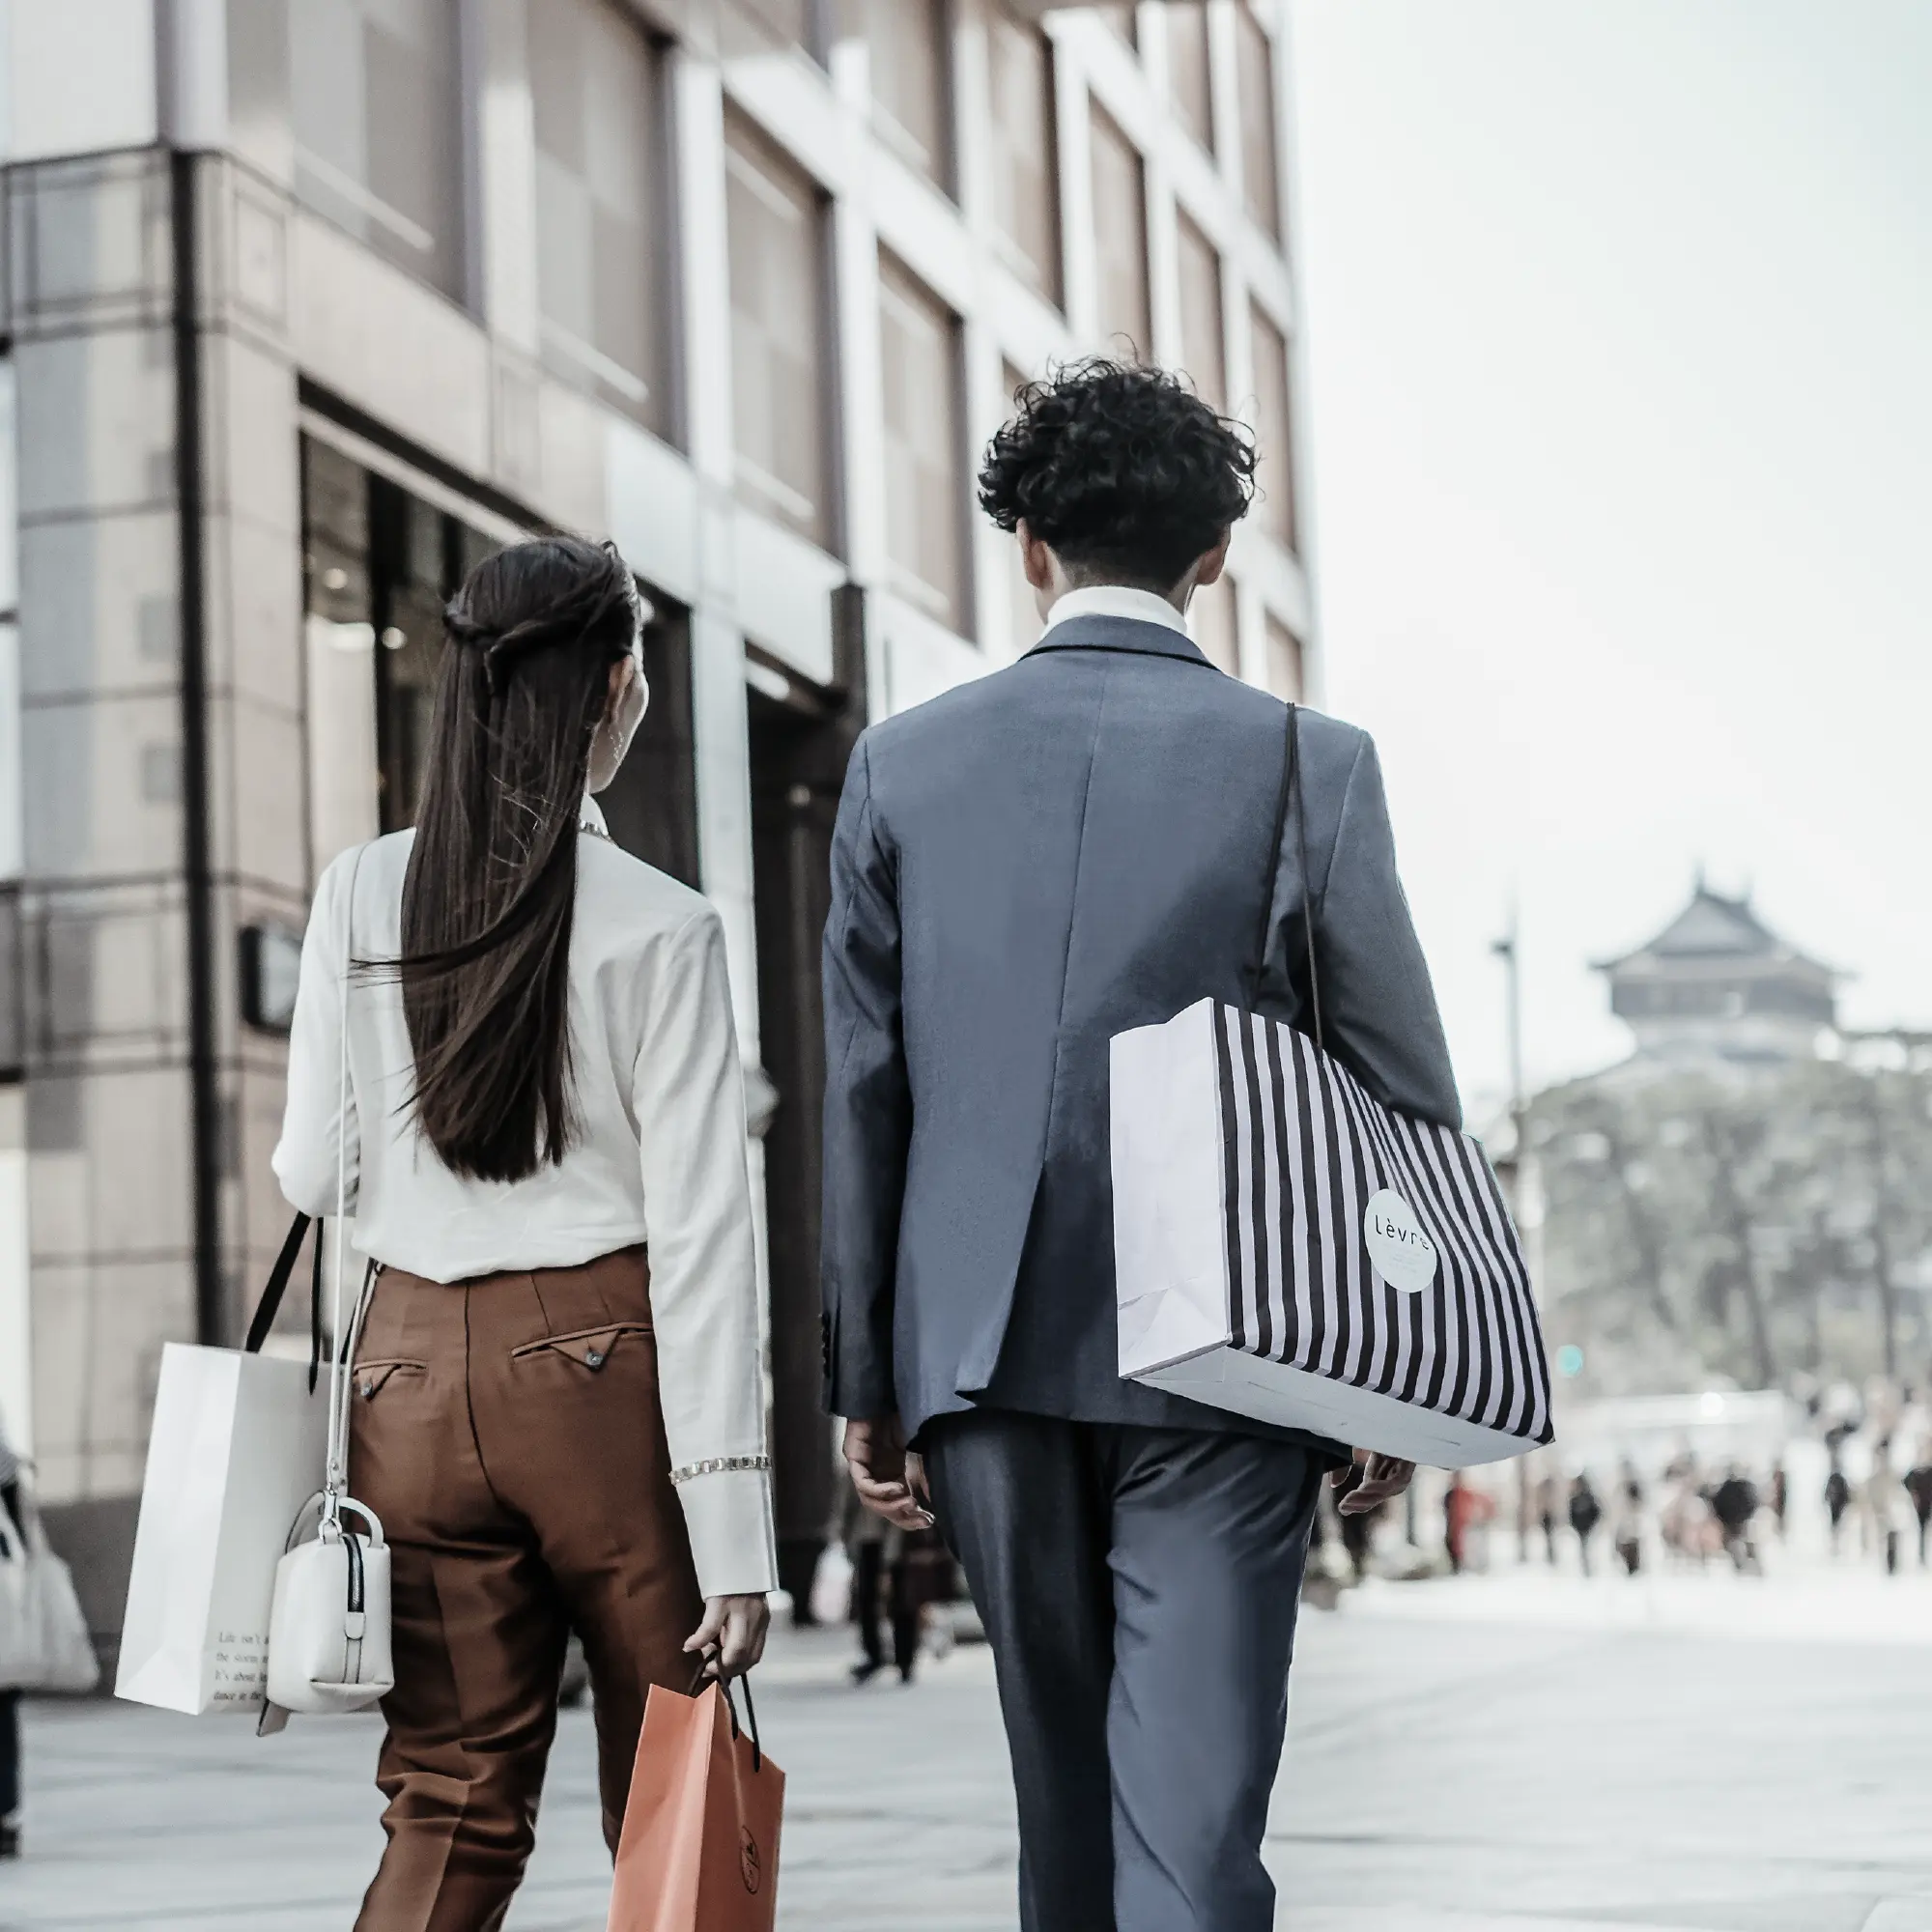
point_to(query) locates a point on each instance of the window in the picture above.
(926, 521)
(601, 171)
(1211, 618)
(776, 222)
(1283, 662)
(1026, 181)
(908, 42)
(1261, 167)
(378, 115)
(1203, 335)
(1189, 72)
(1119, 235)
(1274, 432)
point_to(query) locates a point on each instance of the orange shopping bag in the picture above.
(699, 1849)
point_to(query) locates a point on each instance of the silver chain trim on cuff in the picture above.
(715, 1466)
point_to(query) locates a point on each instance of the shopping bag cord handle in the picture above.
(750, 1717)
(1290, 797)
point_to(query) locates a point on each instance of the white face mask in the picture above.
(620, 724)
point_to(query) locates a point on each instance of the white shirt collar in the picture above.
(590, 817)
(1116, 600)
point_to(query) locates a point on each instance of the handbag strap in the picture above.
(1291, 796)
(271, 1303)
(336, 1475)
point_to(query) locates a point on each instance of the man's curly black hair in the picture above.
(1122, 472)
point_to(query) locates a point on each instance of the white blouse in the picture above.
(660, 1158)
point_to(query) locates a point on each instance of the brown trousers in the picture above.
(507, 1431)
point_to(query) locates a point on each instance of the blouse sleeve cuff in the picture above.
(727, 1512)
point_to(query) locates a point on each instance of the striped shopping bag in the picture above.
(1288, 1248)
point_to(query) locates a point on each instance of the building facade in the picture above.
(310, 302)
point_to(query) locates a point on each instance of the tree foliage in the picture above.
(1746, 1226)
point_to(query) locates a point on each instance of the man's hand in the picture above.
(734, 1627)
(889, 1478)
(1370, 1480)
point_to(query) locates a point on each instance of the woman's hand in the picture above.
(734, 1629)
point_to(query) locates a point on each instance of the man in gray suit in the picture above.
(1023, 868)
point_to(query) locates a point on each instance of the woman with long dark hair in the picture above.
(558, 1411)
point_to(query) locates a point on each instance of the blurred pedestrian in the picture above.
(9, 1700)
(1626, 1532)
(1358, 1540)
(556, 1429)
(1465, 1510)
(1105, 804)
(1918, 1486)
(880, 1592)
(1837, 1499)
(1545, 1514)
(1587, 1512)
(1734, 1503)
(1780, 1497)
(1884, 1502)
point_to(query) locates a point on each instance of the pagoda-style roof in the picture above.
(1717, 979)
(1715, 929)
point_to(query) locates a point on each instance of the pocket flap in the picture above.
(369, 1380)
(591, 1346)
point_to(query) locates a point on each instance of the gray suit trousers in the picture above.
(1139, 1588)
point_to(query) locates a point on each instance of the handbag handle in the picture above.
(750, 1714)
(271, 1303)
(1290, 797)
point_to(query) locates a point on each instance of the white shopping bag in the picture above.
(238, 1448)
(43, 1639)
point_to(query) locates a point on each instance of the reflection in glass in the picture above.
(602, 165)
(908, 44)
(1120, 239)
(775, 217)
(1274, 432)
(378, 126)
(1260, 164)
(925, 514)
(1189, 70)
(1283, 662)
(1203, 332)
(1026, 181)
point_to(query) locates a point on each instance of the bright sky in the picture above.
(1620, 326)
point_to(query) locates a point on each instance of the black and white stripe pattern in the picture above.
(1304, 1148)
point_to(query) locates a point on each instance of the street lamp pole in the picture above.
(1509, 950)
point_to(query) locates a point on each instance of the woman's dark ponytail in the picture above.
(490, 887)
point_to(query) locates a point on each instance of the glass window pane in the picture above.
(925, 523)
(1120, 235)
(908, 44)
(1261, 167)
(1211, 618)
(1026, 180)
(1283, 662)
(775, 222)
(379, 126)
(1188, 69)
(596, 88)
(1202, 336)
(1274, 432)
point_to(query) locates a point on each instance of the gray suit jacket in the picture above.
(1022, 868)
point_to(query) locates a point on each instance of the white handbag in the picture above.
(43, 1639)
(328, 1625)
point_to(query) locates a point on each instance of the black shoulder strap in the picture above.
(1291, 796)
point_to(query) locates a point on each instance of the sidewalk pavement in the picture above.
(1459, 1760)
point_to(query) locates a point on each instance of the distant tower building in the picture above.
(1718, 984)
